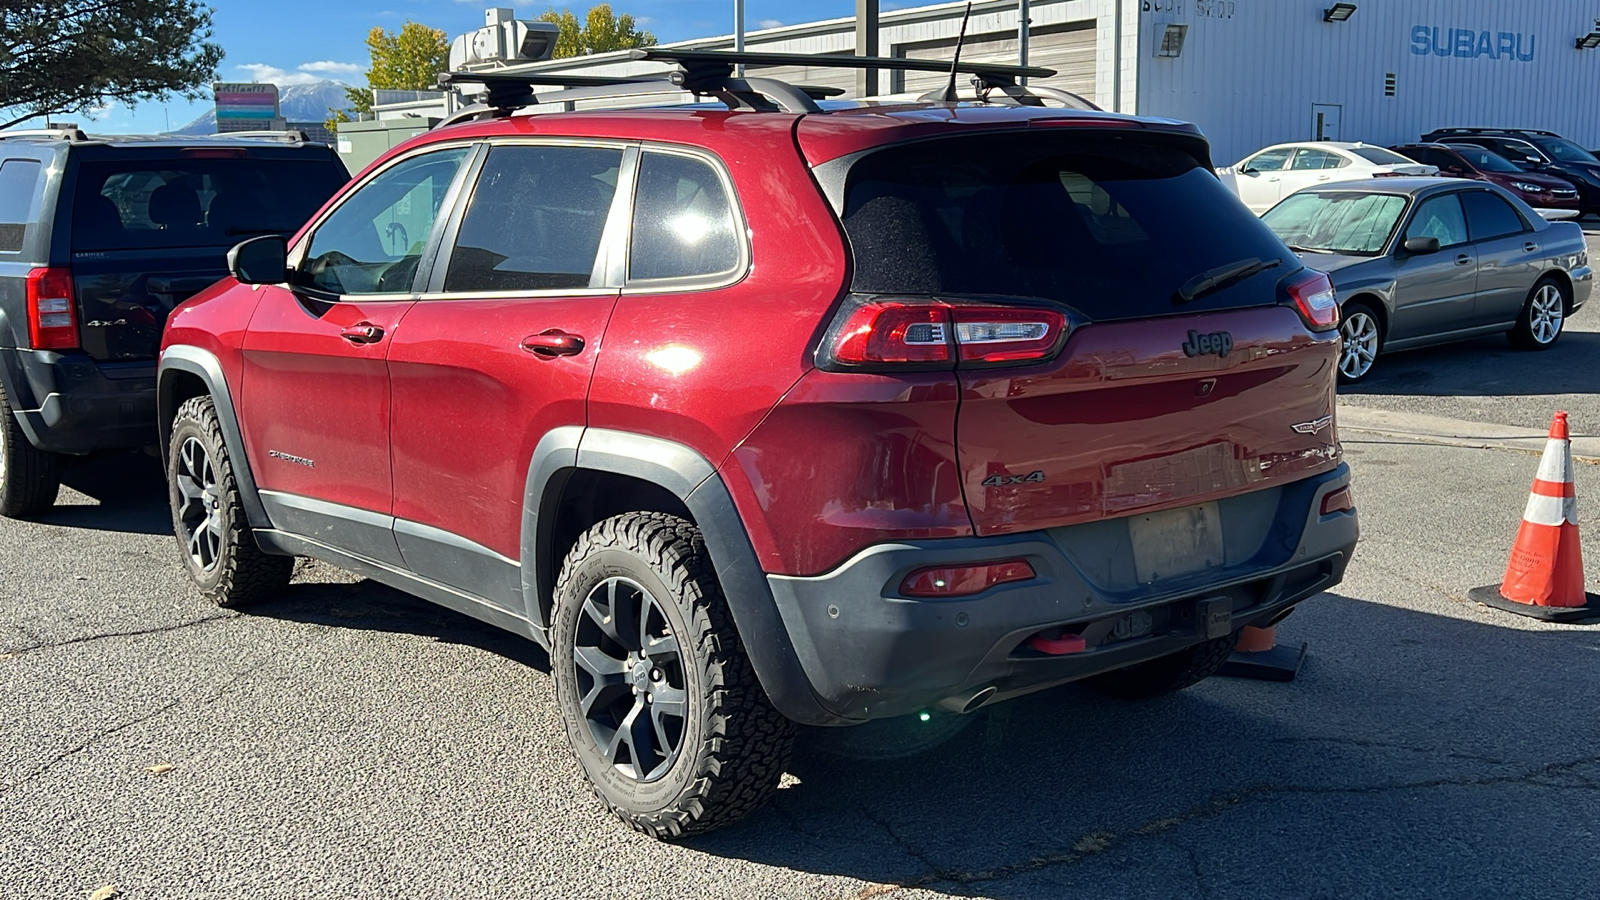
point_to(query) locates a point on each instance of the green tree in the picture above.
(68, 56)
(601, 32)
(406, 60)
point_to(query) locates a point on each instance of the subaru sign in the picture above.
(1466, 43)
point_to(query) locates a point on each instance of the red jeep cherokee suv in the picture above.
(786, 414)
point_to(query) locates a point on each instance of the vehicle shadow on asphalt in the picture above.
(1329, 786)
(372, 606)
(130, 490)
(1488, 367)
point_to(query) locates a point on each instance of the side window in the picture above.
(1269, 161)
(535, 219)
(1518, 151)
(19, 201)
(1489, 216)
(372, 243)
(1314, 159)
(683, 222)
(1440, 218)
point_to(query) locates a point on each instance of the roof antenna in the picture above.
(950, 90)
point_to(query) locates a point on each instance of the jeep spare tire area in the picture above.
(659, 701)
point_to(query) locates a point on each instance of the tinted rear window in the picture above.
(196, 202)
(19, 200)
(1109, 226)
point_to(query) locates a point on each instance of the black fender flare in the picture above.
(694, 480)
(204, 365)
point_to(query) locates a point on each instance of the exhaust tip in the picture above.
(968, 702)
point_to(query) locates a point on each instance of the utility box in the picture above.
(359, 143)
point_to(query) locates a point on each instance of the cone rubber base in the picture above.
(1489, 595)
(1281, 663)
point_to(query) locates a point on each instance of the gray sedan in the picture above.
(1418, 261)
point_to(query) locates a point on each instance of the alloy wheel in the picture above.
(1360, 333)
(1546, 314)
(200, 505)
(633, 693)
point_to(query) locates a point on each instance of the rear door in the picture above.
(499, 352)
(316, 391)
(151, 227)
(1156, 400)
(1435, 293)
(1508, 254)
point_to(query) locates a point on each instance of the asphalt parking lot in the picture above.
(346, 741)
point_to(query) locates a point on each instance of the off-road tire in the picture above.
(30, 478)
(734, 745)
(1523, 336)
(241, 572)
(1167, 674)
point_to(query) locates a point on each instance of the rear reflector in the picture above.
(1313, 298)
(52, 314)
(1338, 501)
(882, 332)
(962, 581)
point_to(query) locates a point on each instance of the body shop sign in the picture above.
(1465, 43)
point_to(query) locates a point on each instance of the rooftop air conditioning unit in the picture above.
(503, 40)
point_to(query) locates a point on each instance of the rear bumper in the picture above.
(69, 403)
(870, 653)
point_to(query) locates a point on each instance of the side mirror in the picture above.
(262, 260)
(1421, 245)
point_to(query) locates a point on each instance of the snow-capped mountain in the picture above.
(296, 103)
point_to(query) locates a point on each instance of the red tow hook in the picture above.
(1058, 646)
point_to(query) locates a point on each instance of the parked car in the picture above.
(1545, 193)
(1422, 261)
(672, 392)
(100, 237)
(1544, 152)
(1267, 176)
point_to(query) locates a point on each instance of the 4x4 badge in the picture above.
(1002, 480)
(1313, 426)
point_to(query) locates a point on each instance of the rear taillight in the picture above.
(52, 315)
(214, 153)
(965, 580)
(1338, 501)
(900, 333)
(1313, 298)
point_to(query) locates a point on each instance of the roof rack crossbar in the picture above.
(834, 61)
(508, 91)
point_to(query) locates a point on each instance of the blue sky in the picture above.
(304, 40)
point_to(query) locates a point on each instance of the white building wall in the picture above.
(1251, 70)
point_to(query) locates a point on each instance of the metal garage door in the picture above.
(1069, 48)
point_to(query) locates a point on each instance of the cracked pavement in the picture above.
(346, 741)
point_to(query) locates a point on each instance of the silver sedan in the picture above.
(1419, 261)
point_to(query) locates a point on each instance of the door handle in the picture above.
(553, 343)
(362, 333)
(1463, 260)
(1531, 247)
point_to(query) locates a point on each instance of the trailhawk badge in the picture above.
(1313, 426)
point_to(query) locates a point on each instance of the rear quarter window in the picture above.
(20, 191)
(1109, 226)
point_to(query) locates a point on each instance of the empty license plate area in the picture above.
(1176, 542)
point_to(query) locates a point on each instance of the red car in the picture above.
(775, 413)
(1480, 164)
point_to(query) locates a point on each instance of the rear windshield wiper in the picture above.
(1214, 280)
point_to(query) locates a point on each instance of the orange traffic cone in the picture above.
(1544, 578)
(1259, 655)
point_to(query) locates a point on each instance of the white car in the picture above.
(1267, 176)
